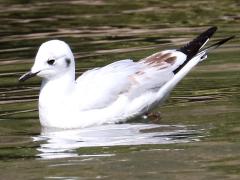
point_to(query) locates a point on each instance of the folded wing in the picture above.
(100, 87)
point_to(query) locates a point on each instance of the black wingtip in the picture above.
(212, 29)
(219, 43)
(192, 48)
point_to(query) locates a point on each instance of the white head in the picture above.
(54, 59)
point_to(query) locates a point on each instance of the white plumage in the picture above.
(110, 94)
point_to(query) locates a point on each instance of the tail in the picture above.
(193, 58)
(193, 47)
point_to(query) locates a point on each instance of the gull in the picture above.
(114, 93)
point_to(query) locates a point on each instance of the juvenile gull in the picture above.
(114, 93)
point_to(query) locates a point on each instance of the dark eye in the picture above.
(51, 61)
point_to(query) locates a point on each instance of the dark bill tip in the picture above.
(27, 76)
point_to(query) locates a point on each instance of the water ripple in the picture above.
(64, 143)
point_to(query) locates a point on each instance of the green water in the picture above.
(197, 136)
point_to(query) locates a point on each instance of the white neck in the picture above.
(54, 90)
(53, 98)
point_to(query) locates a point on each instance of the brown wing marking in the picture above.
(160, 59)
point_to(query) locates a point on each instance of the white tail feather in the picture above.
(167, 88)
